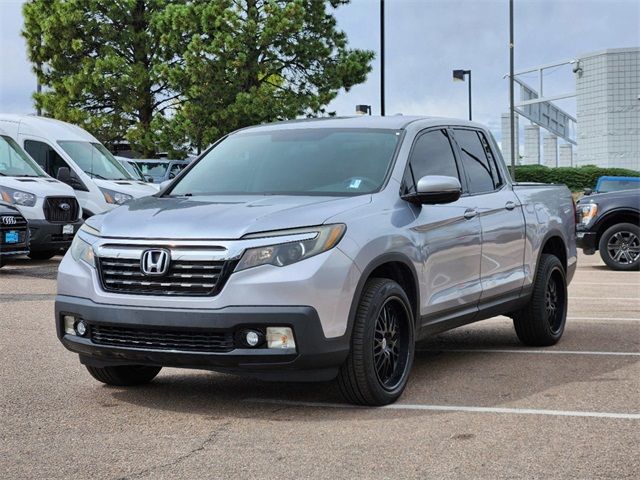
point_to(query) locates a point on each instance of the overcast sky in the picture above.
(425, 39)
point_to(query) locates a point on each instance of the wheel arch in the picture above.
(612, 217)
(394, 266)
(553, 243)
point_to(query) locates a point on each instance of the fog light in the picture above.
(280, 337)
(252, 338)
(81, 328)
(69, 324)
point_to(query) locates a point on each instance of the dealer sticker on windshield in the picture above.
(67, 230)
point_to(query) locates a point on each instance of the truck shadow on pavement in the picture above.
(440, 376)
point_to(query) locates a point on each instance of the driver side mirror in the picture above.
(435, 189)
(64, 175)
(164, 184)
(588, 191)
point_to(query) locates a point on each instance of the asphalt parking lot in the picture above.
(478, 405)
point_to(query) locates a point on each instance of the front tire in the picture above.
(124, 375)
(382, 346)
(620, 247)
(541, 322)
(43, 254)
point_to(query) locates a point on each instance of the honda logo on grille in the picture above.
(155, 262)
(9, 220)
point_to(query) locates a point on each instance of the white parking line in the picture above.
(600, 299)
(545, 352)
(612, 284)
(454, 408)
(608, 319)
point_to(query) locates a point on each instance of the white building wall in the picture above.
(506, 138)
(531, 145)
(550, 150)
(608, 108)
(565, 155)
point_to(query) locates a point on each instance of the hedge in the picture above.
(576, 178)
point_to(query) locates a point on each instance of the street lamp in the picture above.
(363, 109)
(458, 76)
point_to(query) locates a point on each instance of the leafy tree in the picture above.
(179, 74)
(253, 61)
(102, 66)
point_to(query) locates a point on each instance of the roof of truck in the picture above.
(392, 122)
(48, 127)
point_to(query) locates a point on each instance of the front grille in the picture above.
(155, 339)
(20, 226)
(54, 209)
(187, 278)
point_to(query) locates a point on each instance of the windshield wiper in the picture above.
(95, 175)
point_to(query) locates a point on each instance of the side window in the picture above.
(431, 155)
(45, 156)
(478, 161)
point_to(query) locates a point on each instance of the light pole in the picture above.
(382, 57)
(458, 76)
(512, 108)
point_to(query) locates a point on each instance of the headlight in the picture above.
(17, 197)
(116, 198)
(81, 250)
(586, 213)
(282, 254)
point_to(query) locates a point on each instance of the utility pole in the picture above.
(382, 57)
(512, 110)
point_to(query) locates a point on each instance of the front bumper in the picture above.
(587, 242)
(48, 236)
(316, 358)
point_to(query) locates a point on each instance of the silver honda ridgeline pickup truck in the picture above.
(318, 250)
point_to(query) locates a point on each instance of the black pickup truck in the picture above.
(14, 233)
(610, 223)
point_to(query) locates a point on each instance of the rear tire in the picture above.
(541, 322)
(43, 254)
(382, 346)
(620, 247)
(125, 375)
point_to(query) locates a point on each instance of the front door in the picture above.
(449, 236)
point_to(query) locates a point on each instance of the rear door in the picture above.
(500, 212)
(449, 235)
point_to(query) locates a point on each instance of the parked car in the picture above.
(161, 170)
(610, 223)
(14, 233)
(319, 250)
(133, 169)
(77, 158)
(50, 206)
(608, 184)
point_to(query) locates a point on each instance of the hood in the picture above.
(219, 217)
(609, 195)
(7, 209)
(135, 188)
(39, 186)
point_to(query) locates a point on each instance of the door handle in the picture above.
(510, 205)
(470, 213)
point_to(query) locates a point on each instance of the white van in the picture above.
(49, 206)
(99, 181)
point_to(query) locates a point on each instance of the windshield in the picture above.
(133, 170)
(154, 169)
(95, 160)
(14, 162)
(294, 162)
(617, 185)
